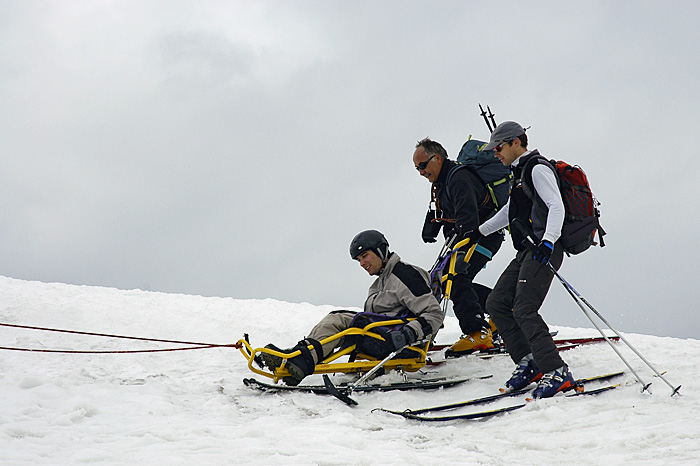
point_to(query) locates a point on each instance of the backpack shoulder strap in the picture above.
(526, 178)
(460, 165)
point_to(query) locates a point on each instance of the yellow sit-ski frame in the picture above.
(453, 262)
(367, 363)
(329, 364)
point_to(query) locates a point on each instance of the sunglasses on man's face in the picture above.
(500, 146)
(423, 165)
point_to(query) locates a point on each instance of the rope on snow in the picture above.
(192, 345)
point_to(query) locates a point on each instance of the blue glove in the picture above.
(403, 337)
(543, 252)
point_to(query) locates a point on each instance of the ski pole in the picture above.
(446, 248)
(372, 371)
(444, 252)
(529, 243)
(574, 296)
(578, 298)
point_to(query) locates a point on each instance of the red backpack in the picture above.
(582, 217)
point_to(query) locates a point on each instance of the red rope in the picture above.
(196, 345)
(33, 350)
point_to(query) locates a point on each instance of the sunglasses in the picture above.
(423, 165)
(499, 147)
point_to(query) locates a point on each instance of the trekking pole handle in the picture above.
(483, 114)
(528, 242)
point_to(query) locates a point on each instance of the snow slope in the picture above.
(190, 407)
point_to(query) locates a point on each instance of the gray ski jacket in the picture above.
(403, 286)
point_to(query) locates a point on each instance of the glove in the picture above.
(461, 267)
(430, 228)
(473, 235)
(403, 337)
(543, 252)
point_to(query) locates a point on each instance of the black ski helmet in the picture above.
(372, 240)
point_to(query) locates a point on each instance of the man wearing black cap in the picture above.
(400, 289)
(521, 289)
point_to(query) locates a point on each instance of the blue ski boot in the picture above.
(559, 380)
(523, 375)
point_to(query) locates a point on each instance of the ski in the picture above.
(584, 341)
(562, 345)
(477, 415)
(324, 390)
(493, 412)
(417, 413)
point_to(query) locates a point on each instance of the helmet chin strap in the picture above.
(384, 256)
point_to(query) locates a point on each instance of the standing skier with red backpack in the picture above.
(536, 228)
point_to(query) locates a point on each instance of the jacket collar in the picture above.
(390, 263)
(447, 165)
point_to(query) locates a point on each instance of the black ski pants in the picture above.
(514, 307)
(465, 300)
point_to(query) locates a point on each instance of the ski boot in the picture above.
(553, 382)
(475, 341)
(298, 366)
(523, 375)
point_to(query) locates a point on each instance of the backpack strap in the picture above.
(529, 186)
(488, 191)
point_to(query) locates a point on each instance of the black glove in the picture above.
(403, 337)
(430, 228)
(473, 235)
(543, 252)
(461, 267)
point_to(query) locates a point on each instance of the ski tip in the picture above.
(505, 390)
(676, 391)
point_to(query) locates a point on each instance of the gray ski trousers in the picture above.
(334, 322)
(514, 307)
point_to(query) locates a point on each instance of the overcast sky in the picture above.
(229, 148)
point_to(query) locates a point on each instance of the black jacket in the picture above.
(463, 202)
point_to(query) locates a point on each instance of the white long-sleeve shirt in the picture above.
(545, 185)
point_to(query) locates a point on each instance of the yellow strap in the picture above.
(453, 263)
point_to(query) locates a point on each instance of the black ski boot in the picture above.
(298, 366)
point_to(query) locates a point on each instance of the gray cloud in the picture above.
(234, 148)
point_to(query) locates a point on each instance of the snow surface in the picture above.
(190, 407)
